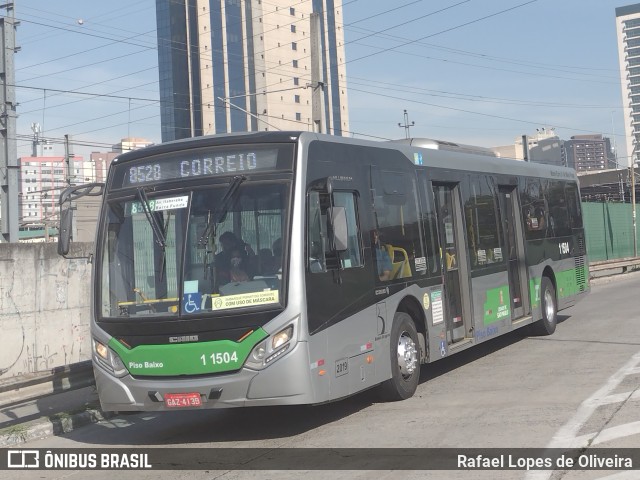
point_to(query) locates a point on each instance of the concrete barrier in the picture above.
(44, 309)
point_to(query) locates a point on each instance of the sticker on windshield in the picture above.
(245, 300)
(157, 205)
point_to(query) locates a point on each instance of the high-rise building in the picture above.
(249, 65)
(41, 179)
(101, 161)
(628, 31)
(589, 152)
(542, 147)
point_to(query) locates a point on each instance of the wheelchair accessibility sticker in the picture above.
(191, 302)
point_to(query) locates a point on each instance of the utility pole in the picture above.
(406, 125)
(8, 147)
(633, 204)
(317, 77)
(71, 180)
(68, 161)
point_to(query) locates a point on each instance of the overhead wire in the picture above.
(413, 41)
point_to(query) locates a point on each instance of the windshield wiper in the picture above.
(221, 211)
(157, 229)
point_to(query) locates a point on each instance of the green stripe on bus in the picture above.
(566, 284)
(187, 358)
(567, 281)
(534, 291)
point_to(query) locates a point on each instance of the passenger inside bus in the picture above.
(237, 265)
(232, 262)
(383, 261)
(271, 263)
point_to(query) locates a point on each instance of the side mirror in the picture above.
(339, 224)
(64, 236)
(66, 215)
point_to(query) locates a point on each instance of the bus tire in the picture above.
(405, 360)
(547, 324)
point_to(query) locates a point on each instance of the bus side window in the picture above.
(573, 205)
(352, 257)
(318, 246)
(534, 210)
(484, 230)
(396, 209)
(316, 234)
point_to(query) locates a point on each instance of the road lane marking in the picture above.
(608, 434)
(566, 437)
(630, 475)
(620, 397)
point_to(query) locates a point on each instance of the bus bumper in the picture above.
(285, 382)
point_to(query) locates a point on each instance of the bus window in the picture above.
(573, 205)
(319, 247)
(352, 257)
(317, 234)
(396, 216)
(559, 225)
(483, 228)
(236, 257)
(534, 209)
(139, 277)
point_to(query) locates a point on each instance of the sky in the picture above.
(480, 72)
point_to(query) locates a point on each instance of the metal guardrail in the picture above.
(60, 379)
(624, 263)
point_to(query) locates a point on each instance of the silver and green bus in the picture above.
(281, 268)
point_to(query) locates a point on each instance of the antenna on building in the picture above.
(35, 128)
(406, 125)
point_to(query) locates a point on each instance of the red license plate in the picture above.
(179, 400)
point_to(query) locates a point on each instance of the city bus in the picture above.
(281, 268)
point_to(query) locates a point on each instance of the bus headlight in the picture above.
(282, 337)
(271, 348)
(109, 359)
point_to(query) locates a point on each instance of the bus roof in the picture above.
(454, 159)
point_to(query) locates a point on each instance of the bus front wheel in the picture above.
(547, 324)
(405, 360)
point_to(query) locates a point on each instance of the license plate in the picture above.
(179, 400)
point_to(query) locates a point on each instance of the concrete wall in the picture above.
(44, 308)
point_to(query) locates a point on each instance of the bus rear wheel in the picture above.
(405, 360)
(547, 324)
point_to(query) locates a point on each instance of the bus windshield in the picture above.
(199, 251)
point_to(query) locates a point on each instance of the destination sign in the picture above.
(200, 163)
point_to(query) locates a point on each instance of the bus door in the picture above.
(513, 243)
(454, 262)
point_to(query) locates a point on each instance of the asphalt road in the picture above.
(577, 388)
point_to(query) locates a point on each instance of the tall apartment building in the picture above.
(101, 161)
(246, 65)
(589, 152)
(628, 32)
(40, 181)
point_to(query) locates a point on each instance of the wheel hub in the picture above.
(549, 308)
(407, 355)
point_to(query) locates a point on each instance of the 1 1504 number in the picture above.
(219, 358)
(563, 247)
